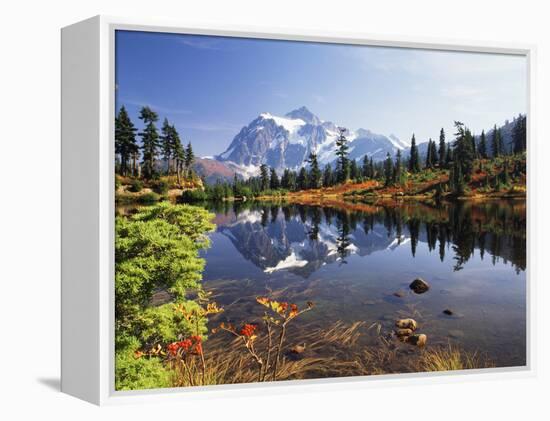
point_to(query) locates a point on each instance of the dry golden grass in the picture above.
(342, 357)
(451, 358)
(227, 364)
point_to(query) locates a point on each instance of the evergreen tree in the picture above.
(495, 142)
(414, 160)
(365, 168)
(274, 180)
(353, 170)
(189, 159)
(519, 135)
(327, 176)
(398, 169)
(264, 177)
(433, 153)
(125, 140)
(463, 153)
(474, 145)
(388, 170)
(288, 180)
(178, 153)
(314, 172)
(167, 144)
(342, 154)
(482, 149)
(301, 182)
(442, 148)
(502, 147)
(149, 141)
(449, 157)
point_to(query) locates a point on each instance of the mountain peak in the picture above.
(305, 114)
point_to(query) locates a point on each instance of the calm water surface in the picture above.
(350, 262)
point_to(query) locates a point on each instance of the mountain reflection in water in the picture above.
(301, 239)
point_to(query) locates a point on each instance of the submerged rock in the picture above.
(448, 312)
(406, 324)
(298, 349)
(419, 286)
(456, 334)
(399, 294)
(418, 340)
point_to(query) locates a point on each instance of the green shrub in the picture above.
(190, 196)
(157, 248)
(150, 197)
(133, 373)
(136, 186)
(161, 187)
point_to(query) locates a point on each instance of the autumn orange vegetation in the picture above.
(278, 318)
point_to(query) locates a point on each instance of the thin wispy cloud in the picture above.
(201, 43)
(462, 91)
(319, 99)
(282, 95)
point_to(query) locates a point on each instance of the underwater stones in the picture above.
(403, 332)
(448, 312)
(418, 339)
(406, 324)
(419, 286)
(456, 334)
(298, 349)
(399, 294)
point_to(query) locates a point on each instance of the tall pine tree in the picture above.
(342, 154)
(414, 159)
(314, 172)
(264, 177)
(482, 149)
(273, 180)
(149, 141)
(388, 170)
(442, 148)
(189, 160)
(495, 142)
(125, 140)
(519, 134)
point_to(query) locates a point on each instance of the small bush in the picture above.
(161, 187)
(150, 197)
(190, 196)
(136, 186)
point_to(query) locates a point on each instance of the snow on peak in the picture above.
(398, 143)
(291, 125)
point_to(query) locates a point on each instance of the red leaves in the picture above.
(192, 345)
(248, 330)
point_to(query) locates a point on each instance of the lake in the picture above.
(355, 262)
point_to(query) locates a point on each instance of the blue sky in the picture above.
(210, 87)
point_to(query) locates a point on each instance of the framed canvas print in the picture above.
(245, 209)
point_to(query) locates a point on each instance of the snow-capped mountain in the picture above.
(287, 141)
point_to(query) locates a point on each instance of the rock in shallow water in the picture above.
(419, 286)
(456, 334)
(417, 339)
(403, 332)
(406, 324)
(448, 312)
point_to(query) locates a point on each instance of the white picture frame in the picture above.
(88, 210)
